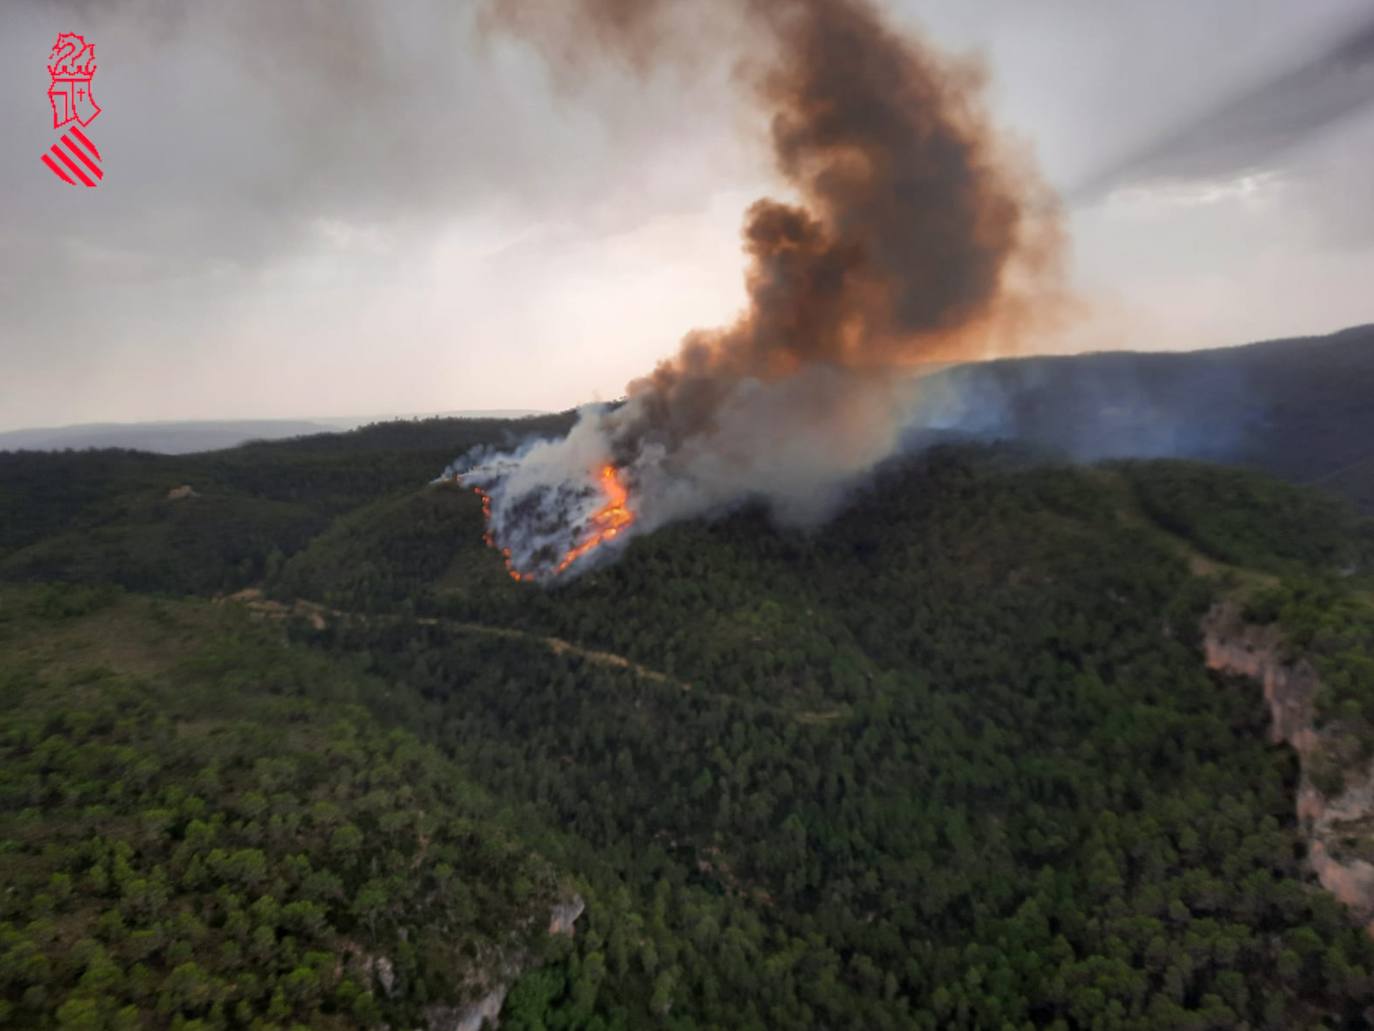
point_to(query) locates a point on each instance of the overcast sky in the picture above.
(332, 208)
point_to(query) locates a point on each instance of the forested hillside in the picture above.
(1299, 409)
(96, 516)
(957, 754)
(199, 822)
(952, 761)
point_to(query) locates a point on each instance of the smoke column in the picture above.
(916, 239)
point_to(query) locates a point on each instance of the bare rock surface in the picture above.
(485, 1012)
(1328, 822)
(565, 914)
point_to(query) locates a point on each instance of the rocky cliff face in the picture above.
(1337, 823)
(488, 981)
(564, 915)
(486, 1011)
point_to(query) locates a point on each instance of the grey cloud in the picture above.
(1260, 124)
(229, 129)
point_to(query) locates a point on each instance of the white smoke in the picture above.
(796, 445)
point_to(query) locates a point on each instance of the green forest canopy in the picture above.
(953, 761)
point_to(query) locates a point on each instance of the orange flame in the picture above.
(607, 522)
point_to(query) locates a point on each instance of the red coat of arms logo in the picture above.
(71, 67)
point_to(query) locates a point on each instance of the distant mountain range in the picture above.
(188, 437)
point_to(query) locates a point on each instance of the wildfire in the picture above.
(607, 521)
(605, 525)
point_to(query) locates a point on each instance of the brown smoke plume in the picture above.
(917, 239)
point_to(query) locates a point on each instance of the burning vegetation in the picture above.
(602, 526)
(917, 239)
(607, 521)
